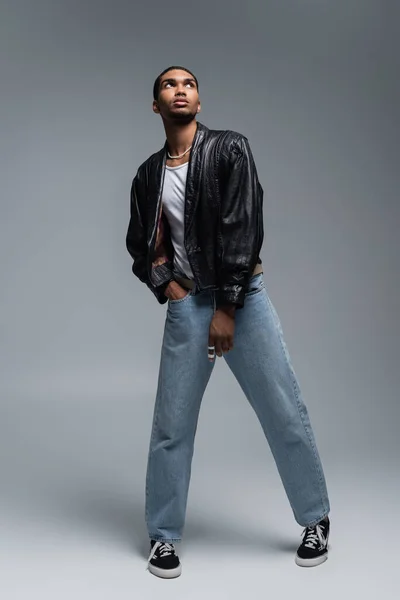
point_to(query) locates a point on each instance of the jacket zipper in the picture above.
(154, 232)
(185, 206)
(158, 210)
(184, 217)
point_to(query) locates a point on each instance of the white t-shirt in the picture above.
(173, 199)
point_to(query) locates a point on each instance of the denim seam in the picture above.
(295, 390)
(153, 432)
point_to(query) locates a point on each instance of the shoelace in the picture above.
(313, 535)
(164, 549)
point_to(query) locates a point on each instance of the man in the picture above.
(195, 235)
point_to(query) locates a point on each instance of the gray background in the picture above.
(314, 86)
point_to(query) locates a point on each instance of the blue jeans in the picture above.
(261, 364)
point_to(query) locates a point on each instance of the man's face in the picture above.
(178, 98)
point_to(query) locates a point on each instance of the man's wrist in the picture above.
(165, 287)
(228, 309)
(170, 287)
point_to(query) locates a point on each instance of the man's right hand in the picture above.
(174, 291)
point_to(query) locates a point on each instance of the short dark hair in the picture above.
(156, 87)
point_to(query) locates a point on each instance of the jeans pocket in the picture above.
(179, 300)
(256, 284)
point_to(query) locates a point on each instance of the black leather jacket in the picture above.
(223, 218)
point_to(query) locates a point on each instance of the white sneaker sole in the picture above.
(165, 573)
(311, 562)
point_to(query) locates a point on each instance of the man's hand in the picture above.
(222, 330)
(174, 291)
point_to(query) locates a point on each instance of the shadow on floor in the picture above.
(122, 519)
(217, 532)
(118, 517)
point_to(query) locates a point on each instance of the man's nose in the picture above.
(180, 91)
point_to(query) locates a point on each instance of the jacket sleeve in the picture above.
(136, 238)
(240, 225)
(136, 243)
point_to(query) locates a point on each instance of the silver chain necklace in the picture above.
(181, 155)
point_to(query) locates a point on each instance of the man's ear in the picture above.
(199, 107)
(155, 107)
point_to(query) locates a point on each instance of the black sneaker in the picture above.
(313, 550)
(163, 561)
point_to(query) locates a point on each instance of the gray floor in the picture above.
(72, 517)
